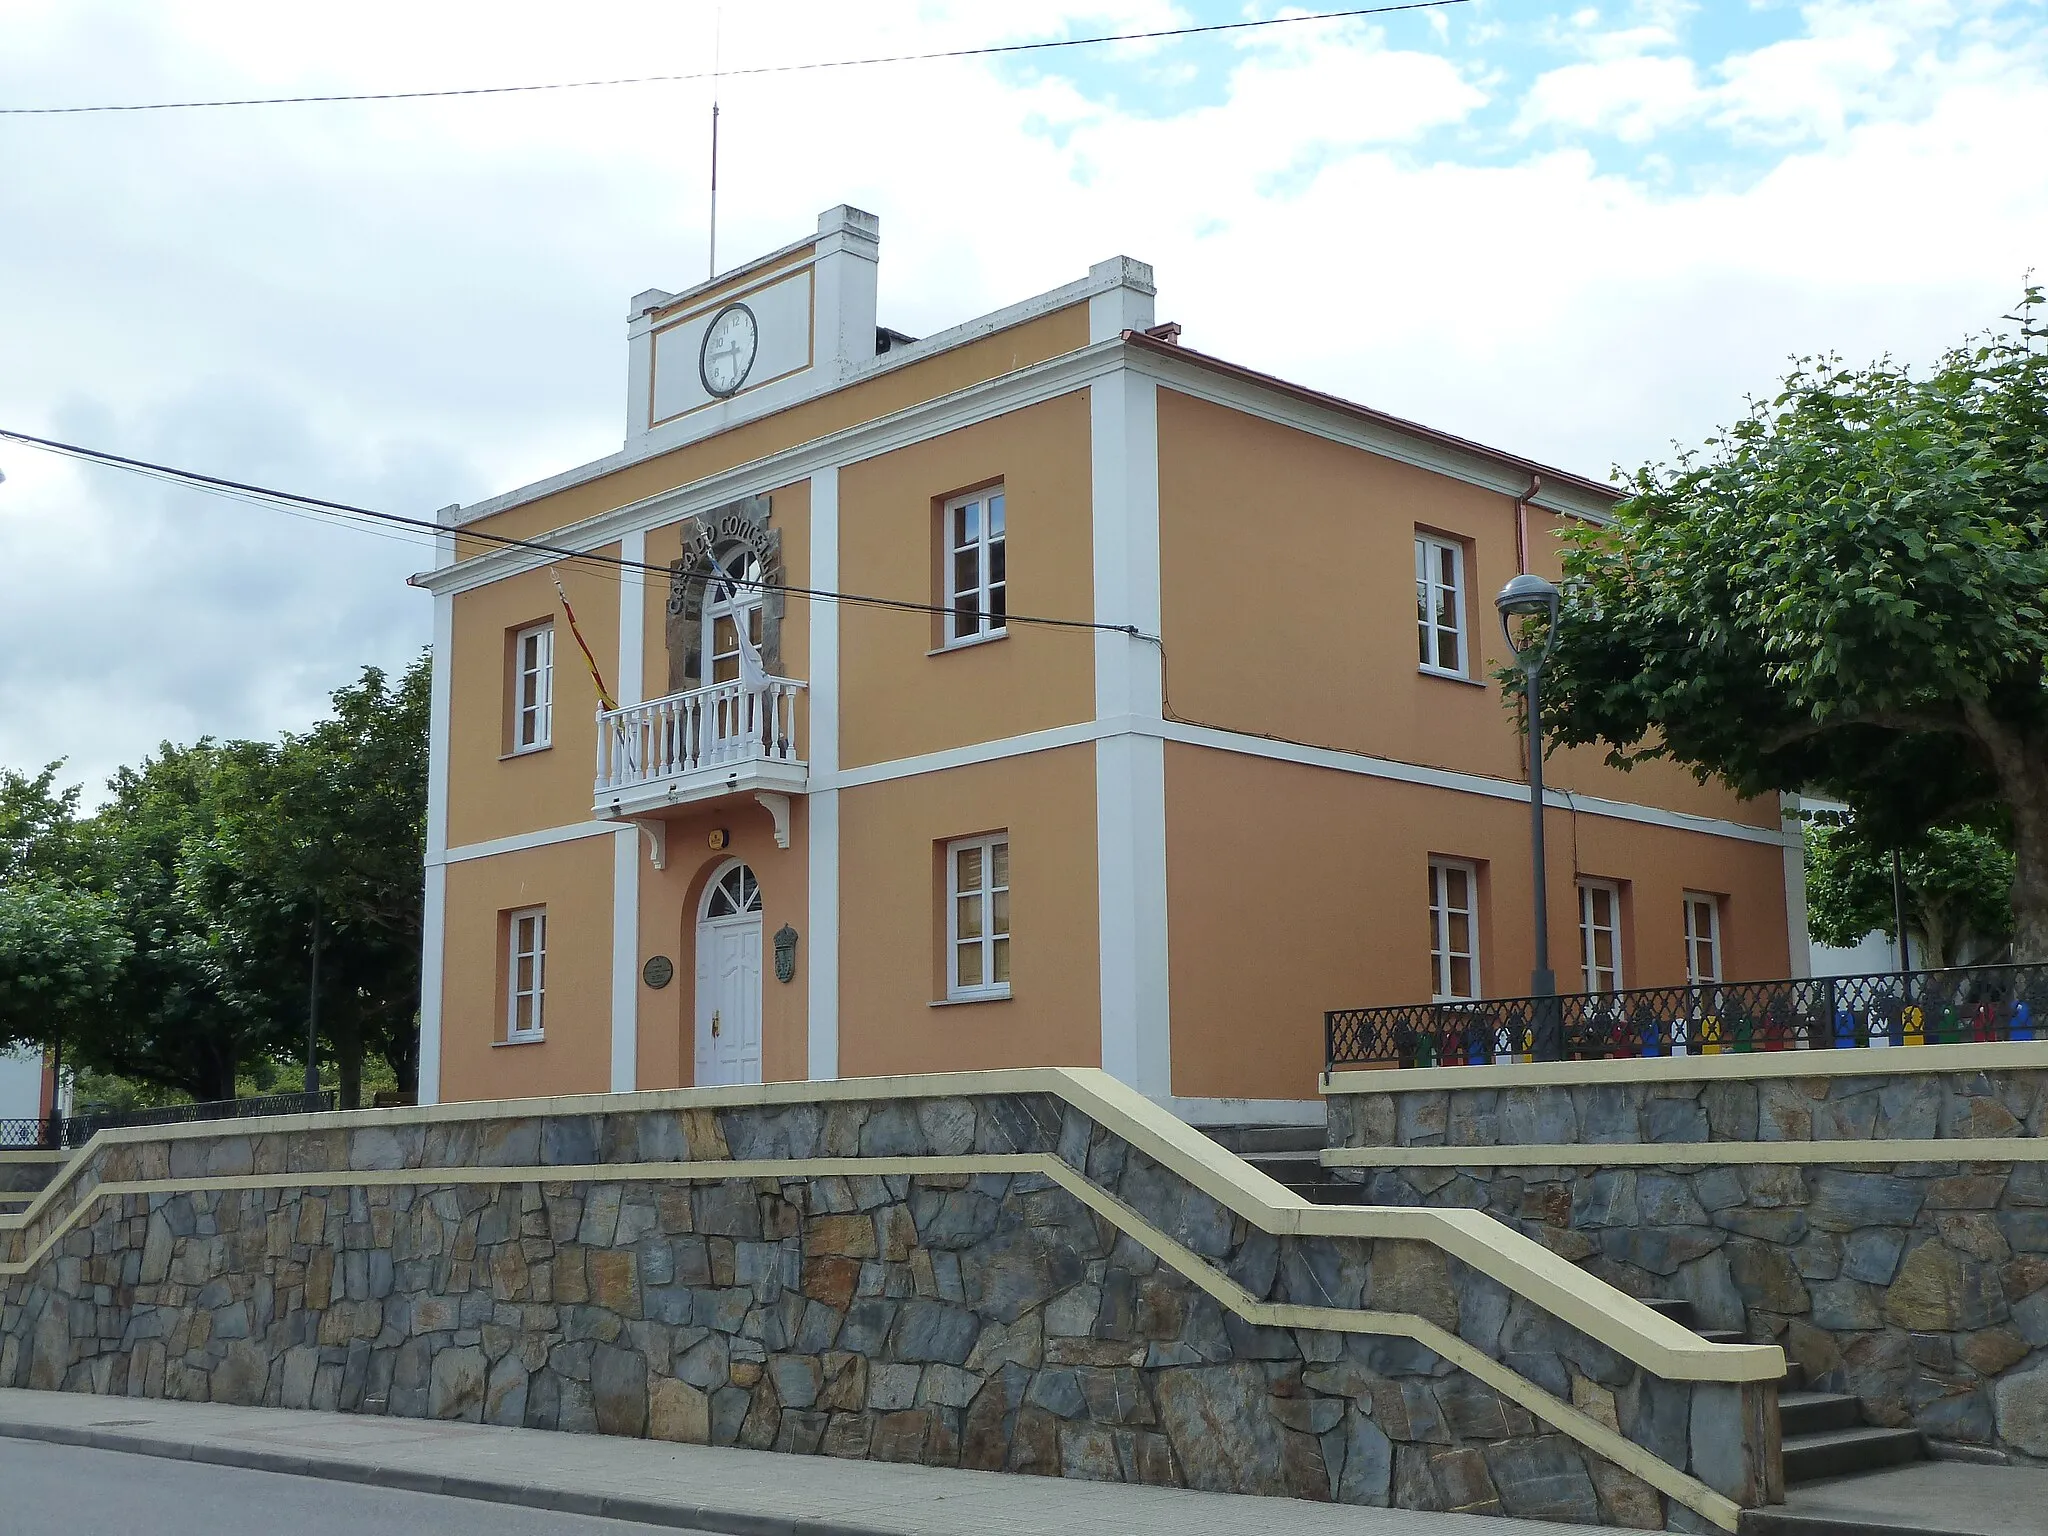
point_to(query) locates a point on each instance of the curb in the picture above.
(340, 1469)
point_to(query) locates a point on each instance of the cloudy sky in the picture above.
(1578, 232)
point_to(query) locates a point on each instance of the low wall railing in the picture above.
(707, 728)
(1893, 1008)
(61, 1131)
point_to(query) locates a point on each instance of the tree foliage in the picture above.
(62, 951)
(1843, 591)
(1955, 881)
(183, 909)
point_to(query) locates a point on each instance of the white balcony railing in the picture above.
(708, 731)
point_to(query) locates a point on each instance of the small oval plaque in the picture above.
(658, 972)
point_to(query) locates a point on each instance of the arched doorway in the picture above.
(729, 978)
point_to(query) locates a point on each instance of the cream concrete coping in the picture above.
(2007, 1055)
(35, 1155)
(1526, 1268)
(1692, 1154)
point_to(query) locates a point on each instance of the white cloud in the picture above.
(1634, 96)
(416, 303)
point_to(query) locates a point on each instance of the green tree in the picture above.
(329, 827)
(1955, 881)
(1843, 591)
(39, 832)
(184, 1012)
(62, 951)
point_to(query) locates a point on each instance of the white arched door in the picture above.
(729, 979)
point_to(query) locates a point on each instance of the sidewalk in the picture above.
(689, 1487)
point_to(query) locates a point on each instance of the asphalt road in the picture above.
(62, 1490)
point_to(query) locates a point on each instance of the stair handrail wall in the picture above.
(1189, 1173)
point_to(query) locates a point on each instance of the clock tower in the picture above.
(776, 330)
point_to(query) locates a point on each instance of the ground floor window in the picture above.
(526, 972)
(1702, 937)
(978, 917)
(1453, 929)
(1600, 934)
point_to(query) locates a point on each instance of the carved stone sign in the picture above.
(736, 525)
(785, 953)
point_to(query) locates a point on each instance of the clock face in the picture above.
(728, 353)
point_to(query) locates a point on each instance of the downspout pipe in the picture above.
(1522, 524)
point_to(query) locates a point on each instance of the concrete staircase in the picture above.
(23, 1176)
(1825, 1436)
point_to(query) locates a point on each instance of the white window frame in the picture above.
(1441, 955)
(1590, 973)
(1696, 903)
(989, 988)
(519, 924)
(533, 725)
(987, 543)
(1429, 586)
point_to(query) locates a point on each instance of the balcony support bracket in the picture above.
(656, 833)
(778, 807)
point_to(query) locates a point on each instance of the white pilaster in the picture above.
(1130, 769)
(1126, 306)
(845, 272)
(820, 952)
(625, 1074)
(1799, 940)
(434, 916)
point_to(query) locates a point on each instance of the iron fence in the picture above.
(24, 1135)
(1892, 1008)
(76, 1130)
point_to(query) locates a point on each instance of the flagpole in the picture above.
(717, 39)
(604, 694)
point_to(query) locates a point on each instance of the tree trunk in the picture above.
(1934, 937)
(2030, 877)
(2021, 764)
(348, 1055)
(217, 1082)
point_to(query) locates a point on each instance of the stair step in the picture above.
(1679, 1310)
(1841, 1452)
(1249, 1141)
(1795, 1378)
(1723, 1335)
(1307, 1165)
(1330, 1194)
(1812, 1413)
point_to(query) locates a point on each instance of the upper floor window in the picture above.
(1600, 934)
(977, 580)
(978, 917)
(526, 973)
(1702, 937)
(1453, 930)
(533, 687)
(1440, 605)
(733, 605)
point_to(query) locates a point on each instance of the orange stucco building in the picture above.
(1153, 716)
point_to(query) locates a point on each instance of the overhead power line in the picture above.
(293, 503)
(992, 50)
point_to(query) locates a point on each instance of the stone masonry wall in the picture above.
(1920, 1287)
(988, 1321)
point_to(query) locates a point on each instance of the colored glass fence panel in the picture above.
(1980, 1004)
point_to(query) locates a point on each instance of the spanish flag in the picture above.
(604, 694)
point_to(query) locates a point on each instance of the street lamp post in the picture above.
(1527, 598)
